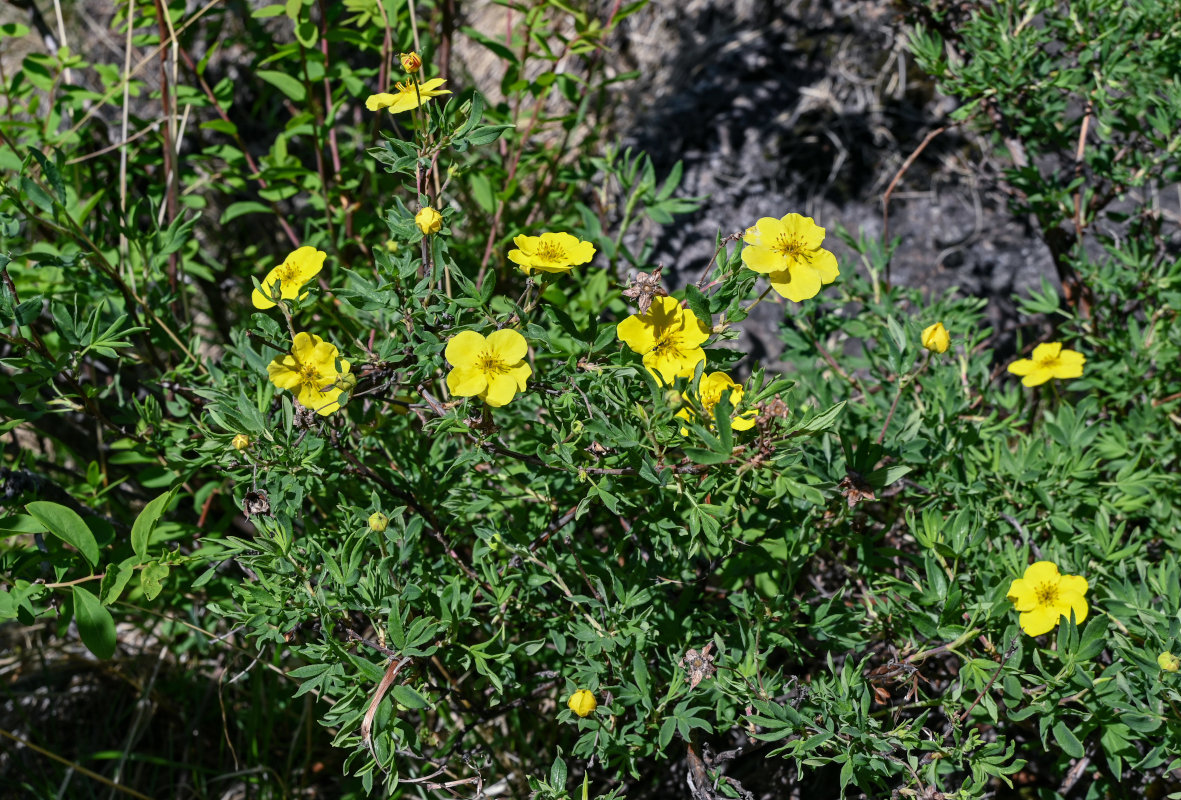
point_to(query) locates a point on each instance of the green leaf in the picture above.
(151, 579)
(65, 524)
(408, 697)
(52, 175)
(558, 773)
(698, 304)
(241, 208)
(145, 523)
(38, 196)
(306, 33)
(284, 83)
(115, 581)
(1067, 740)
(486, 134)
(96, 626)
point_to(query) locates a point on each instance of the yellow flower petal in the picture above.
(825, 265)
(284, 372)
(805, 229)
(502, 388)
(1046, 351)
(1072, 601)
(1021, 595)
(635, 334)
(796, 284)
(466, 381)
(520, 373)
(1041, 619)
(1070, 365)
(767, 230)
(1073, 584)
(380, 100)
(303, 347)
(508, 345)
(762, 259)
(464, 349)
(1041, 572)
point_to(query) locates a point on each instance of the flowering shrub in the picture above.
(491, 504)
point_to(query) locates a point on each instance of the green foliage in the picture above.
(826, 590)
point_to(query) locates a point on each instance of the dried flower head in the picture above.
(644, 287)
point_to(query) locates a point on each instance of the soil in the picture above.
(813, 106)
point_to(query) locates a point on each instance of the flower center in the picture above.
(551, 252)
(310, 376)
(666, 343)
(491, 364)
(791, 247)
(1046, 594)
(1046, 361)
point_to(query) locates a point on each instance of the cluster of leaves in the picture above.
(826, 590)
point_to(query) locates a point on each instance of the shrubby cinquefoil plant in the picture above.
(515, 516)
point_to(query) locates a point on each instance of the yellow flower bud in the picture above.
(241, 442)
(378, 522)
(1168, 662)
(428, 221)
(411, 62)
(391, 246)
(936, 338)
(582, 702)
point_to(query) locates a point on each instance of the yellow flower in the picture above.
(1044, 597)
(411, 62)
(297, 269)
(788, 252)
(550, 252)
(428, 221)
(1049, 361)
(936, 338)
(668, 336)
(406, 96)
(492, 368)
(1168, 662)
(582, 702)
(310, 371)
(709, 394)
(240, 442)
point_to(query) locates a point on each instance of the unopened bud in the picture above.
(240, 442)
(935, 338)
(582, 702)
(1168, 662)
(411, 62)
(378, 522)
(428, 221)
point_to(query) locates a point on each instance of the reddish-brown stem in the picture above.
(333, 149)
